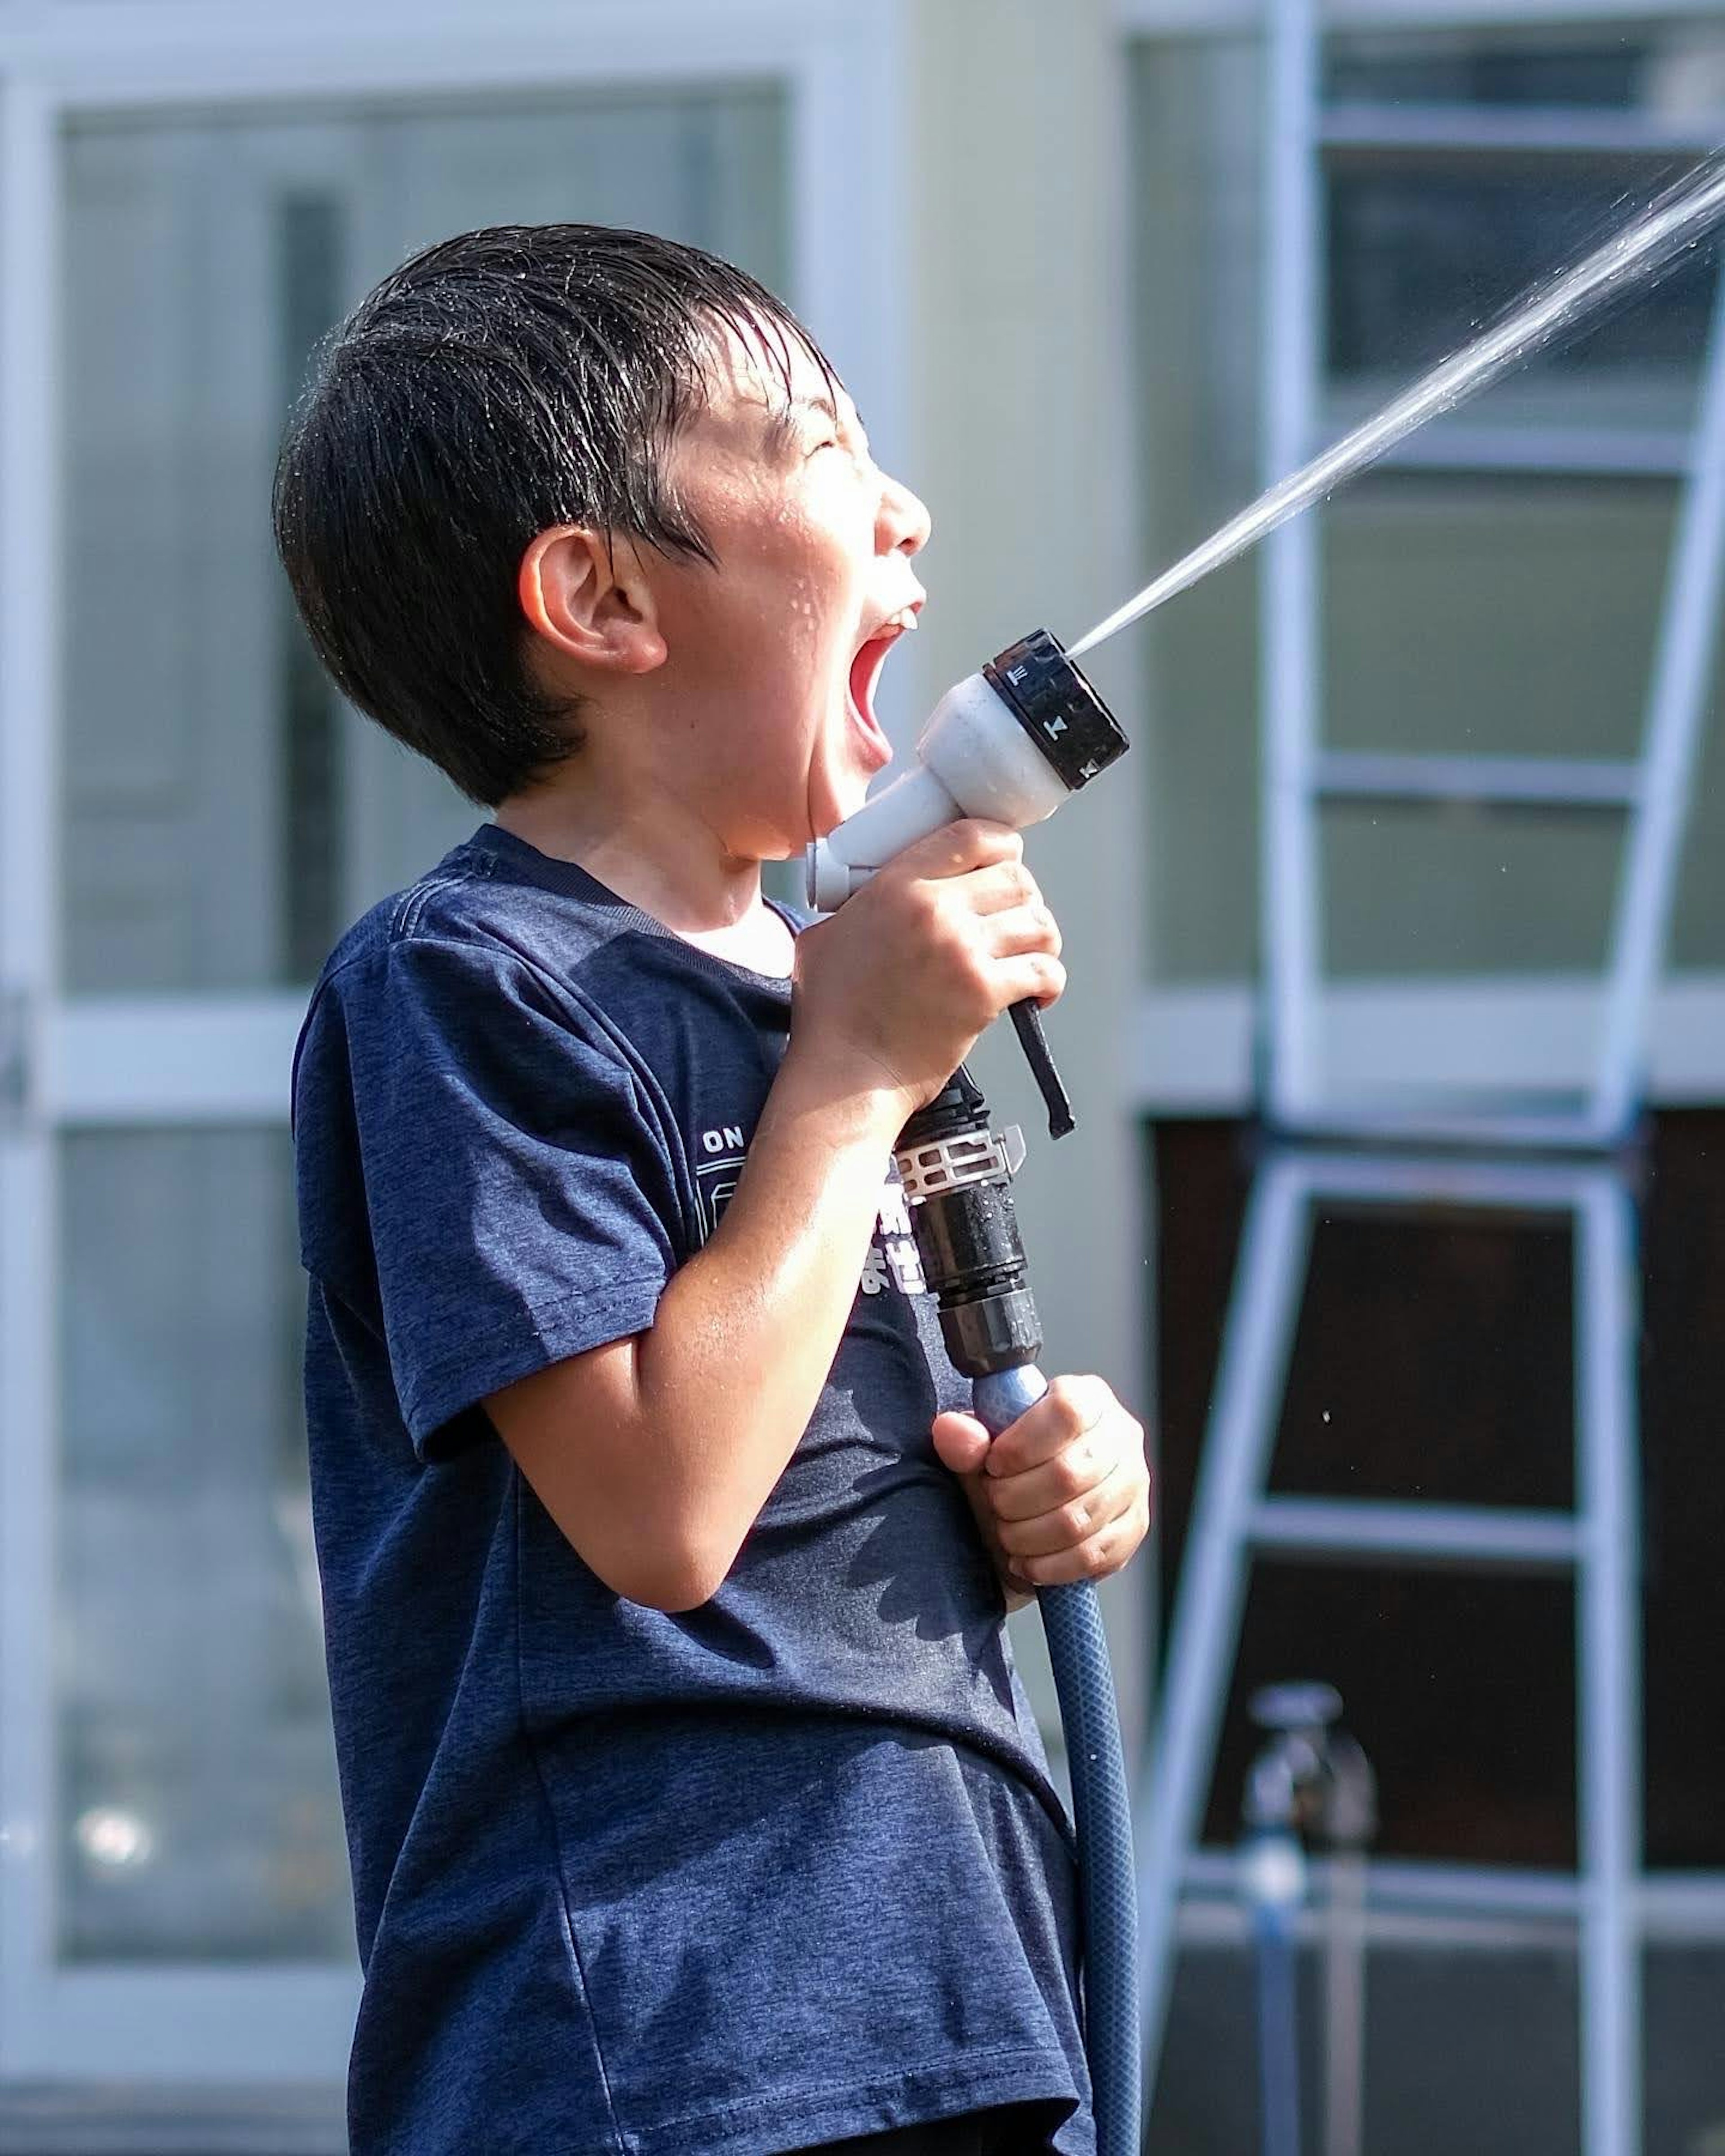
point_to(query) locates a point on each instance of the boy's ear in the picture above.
(587, 596)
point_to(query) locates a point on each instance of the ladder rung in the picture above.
(1549, 781)
(1459, 445)
(1461, 1535)
(1406, 1117)
(1410, 1883)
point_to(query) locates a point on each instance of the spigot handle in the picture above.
(1027, 1023)
(1286, 1707)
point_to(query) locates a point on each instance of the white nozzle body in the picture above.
(840, 864)
(973, 758)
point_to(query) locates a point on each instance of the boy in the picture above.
(693, 1805)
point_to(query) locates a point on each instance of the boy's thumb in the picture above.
(960, 1443)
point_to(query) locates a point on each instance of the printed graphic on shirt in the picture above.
(893, 1255)
(718, 1167)
(893, 1259)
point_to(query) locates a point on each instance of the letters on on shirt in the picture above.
(893, 1259)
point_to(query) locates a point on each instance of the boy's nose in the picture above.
(903, 525)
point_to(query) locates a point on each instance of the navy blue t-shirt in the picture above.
(781, 1869)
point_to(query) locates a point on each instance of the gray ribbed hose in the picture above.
(1101, 1812)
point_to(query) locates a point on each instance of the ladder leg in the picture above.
(1250, 1382)
(1290, 659)
(1679, 700)
(1608, 1671)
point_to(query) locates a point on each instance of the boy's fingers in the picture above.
(1076, 1521)
(1106, 1551)
(1083, 1466)
(957, 848)
(961, 1442)
(1001, 886)
(1024, 928)
(1036, 977)
(1066, 1410)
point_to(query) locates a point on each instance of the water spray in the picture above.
(974, 756)
(1012, 743)
(1552, 313)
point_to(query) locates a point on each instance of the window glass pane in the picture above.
(1427, 246)
(1512, 613)
(1428, 240)
(225, 815)
(199, 1818)
(1662, 69)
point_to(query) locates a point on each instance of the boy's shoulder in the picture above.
(479, 933)
(500, 935)
(483, 896)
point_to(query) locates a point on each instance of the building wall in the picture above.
(1019, 367)
(1069, 303)
(202, 265)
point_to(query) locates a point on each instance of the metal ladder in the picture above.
(1512, 1155)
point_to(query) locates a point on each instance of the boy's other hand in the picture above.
(896, 987)
(1062, 1494)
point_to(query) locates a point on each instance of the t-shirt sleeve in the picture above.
(516, 1195)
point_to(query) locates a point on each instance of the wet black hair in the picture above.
(496, 384)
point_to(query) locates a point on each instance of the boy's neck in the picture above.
(666, 862)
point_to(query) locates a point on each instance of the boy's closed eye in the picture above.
(812, 424)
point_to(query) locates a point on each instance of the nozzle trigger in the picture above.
(1027, 1023)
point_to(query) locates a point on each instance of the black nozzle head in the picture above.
(1056, 706)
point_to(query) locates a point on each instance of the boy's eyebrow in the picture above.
(778, 418)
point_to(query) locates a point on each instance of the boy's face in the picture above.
(775, 653)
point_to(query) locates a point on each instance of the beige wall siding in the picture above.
(1020, 314)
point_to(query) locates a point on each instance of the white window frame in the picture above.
(214, 1061)
(1204, 18)
(1192, 1053)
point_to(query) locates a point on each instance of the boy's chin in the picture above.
(836, 803)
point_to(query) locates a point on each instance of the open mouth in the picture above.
(864, 678)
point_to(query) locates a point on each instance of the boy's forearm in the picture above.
(656, 1454)
(746, 1331)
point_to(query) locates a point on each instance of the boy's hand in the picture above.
(1063, 1494)
(896, 987)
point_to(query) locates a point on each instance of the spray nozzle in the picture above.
(1010, 743)
(1057, 707)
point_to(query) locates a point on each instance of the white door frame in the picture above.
(214, 1059)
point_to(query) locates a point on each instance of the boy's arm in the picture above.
(656, 1454)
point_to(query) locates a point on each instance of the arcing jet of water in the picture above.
(1551, 313)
